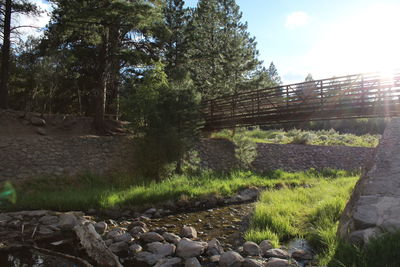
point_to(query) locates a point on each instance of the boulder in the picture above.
(189, 232)
(151, 237)
(147, 257)
(67, 221)
(118, 247)
(188, 249)
(171, 238)
(162, 249)
(135, 248)
(301, 254)
(100, 227)
(138, 230)
(231, 259)
(172, 262)
(214, 248)
(125, 237)
(265, 246)
(277, 253)
(192, 262)
(249, 262)
(251, 249)
(275, 262)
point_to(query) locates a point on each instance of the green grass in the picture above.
(311, 213)
(90, 191)
(295, 136)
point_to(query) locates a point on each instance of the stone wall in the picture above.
(374, 206)
(33, 156)
(218, 154)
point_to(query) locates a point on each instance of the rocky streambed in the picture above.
(206, 237)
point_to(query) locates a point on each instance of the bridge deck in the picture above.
(353, 96)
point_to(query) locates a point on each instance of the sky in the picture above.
(321, 37)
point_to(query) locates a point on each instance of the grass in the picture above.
(295, 136)
(311, 213)
(90, 191)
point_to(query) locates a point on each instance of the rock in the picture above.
(138, 230)
(189, 232)
(172, 262)
(147, 257)
(108, 242)
(151, 237)
(45, 230)
(137, 223)
(171, 238)
(125, 237)
(248, 194)
(188, 249)
(151, 211)
(100, 227)
(192, 262)
(277, 253)
(162, 249)
(251, 249)
(215, 258)
(274, 262)
(67, 221)
(231, 259)
(48, 219)
(118, 247)
(41, 131)
(301, 254)
(160, 230)
(214, 248)
(38, 121)
(265, 246)
(248, 262)
(113, 233)
(135, 248)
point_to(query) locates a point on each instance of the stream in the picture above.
(228, 224)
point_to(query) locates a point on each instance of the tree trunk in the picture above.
(101, 94)
(5, 57)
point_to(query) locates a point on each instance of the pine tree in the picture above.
(223, 55)
(106, 36)
(7, 9)
(273, 74)
(176, 20)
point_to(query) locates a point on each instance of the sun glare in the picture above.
(367, 41)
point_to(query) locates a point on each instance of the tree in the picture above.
(7, 10)
(223, 56)
(166, 116)
(273, 74)
(106, 38)
(176, 20)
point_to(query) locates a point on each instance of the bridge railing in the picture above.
(353, 96)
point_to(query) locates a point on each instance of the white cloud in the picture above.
(367, 41)
(296, 20)
(39, 22)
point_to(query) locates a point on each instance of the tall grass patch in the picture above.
(310, 212)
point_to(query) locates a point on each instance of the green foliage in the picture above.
(295, 136)
(121, 190)
(165, 117)
(8, 193)
(310, 212)
(245, 150)
(380, 251)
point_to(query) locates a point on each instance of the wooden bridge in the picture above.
(354, 96)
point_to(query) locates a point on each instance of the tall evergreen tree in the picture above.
(107, 36)
(7, 9)
(176, 18)
(273, 74)
(223, 56)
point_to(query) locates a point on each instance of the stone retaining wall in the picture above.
(32, 156)
(219, 154)
(374, 207)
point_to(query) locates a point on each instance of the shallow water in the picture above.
(227, 224)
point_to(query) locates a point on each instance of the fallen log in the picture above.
(94, 245)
